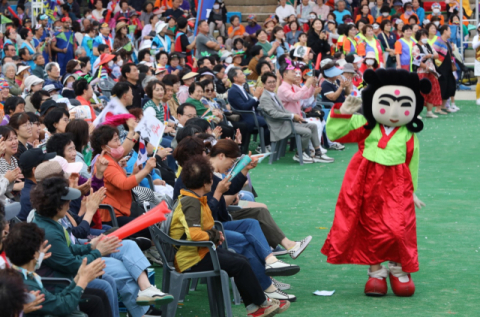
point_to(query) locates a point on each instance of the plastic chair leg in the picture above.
(175, 289)
(274, 149)
(262, 139)
(184, 292)
(237, 299)
(193, 284)
(299, 148)
(283, 148)
(225, 287)
(212, 297)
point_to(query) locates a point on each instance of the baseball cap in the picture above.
(47, 169)
(34, 157)
(50, 103)
(72, 194)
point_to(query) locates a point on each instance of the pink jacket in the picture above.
(290, 95)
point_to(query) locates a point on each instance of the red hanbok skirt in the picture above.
(374, 217)
(434, 96)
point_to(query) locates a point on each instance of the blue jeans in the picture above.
(167, 142)
(108, 285)
(246, 238)
(246, 195)
(97, 232)
(125, 267)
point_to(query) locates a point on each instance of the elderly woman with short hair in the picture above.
(9, 70)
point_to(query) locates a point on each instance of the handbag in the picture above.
(392, 59)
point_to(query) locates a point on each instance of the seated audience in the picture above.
(51, 199)
(198, 225)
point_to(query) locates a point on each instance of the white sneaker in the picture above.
(337, 146)
(280, 268)
(153, 296)
(478, 102)
(281, 295)
(431, 115)
(300, 247)
(323, 159)
(280, 285)
(324, 151)
(306, 159)
(454, 107)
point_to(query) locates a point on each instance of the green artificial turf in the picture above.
(302, 201)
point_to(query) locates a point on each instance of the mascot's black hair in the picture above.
(393, 77)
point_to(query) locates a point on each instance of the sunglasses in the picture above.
(208, 90)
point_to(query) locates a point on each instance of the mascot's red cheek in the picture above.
(407, 113)
(382, 111)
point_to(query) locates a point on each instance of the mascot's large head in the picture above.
(394, 98)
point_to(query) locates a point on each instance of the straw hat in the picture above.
(120, 25)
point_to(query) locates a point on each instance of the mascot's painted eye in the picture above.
(384, 103)
(406, 104)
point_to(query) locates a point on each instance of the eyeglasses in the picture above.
(208, 90)
(27, 125)
(270, 82)
(190, 116)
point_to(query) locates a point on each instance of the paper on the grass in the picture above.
(261, 157)
(324, 293)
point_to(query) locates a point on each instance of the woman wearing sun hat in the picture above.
(122, 40)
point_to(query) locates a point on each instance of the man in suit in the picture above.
(281, 128)
(239, 99)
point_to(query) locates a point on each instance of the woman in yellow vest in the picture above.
(404, 49)
(349, 41)
(371, 44)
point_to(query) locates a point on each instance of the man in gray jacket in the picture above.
(280, 127)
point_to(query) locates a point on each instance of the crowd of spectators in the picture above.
(77, 81)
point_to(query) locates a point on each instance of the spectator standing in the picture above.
(445, 65)
(418, 10)
(426, 69)
(403, 49)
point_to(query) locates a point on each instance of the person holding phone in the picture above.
(287, 100)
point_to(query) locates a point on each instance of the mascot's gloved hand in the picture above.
(418, 203)
(351, 105)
